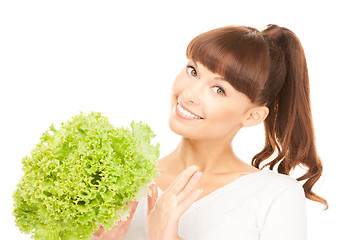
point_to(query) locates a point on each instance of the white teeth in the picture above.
(185, 112)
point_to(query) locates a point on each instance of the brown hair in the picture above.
(270, 68)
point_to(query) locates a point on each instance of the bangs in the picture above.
(235, 53)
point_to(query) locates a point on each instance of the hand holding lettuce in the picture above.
(82, 175)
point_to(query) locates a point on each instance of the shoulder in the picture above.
(267, 187)
(270, 180)
(281, 208)
(272, 189)
(264, 187)
(276, 198)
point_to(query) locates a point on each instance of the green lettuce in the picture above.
(82, 175)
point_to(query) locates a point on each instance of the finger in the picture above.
(122, 227)
(183, 206)
(181, 175)
(133, 206)
(183, 180)
(99, 232)
(152, 199)
(190, 187)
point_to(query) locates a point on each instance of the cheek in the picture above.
(179, 85)
(174, 91)
(224, 117)
(223, 111)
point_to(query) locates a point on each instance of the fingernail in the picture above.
(194, 167)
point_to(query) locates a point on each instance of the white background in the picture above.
(61, 57)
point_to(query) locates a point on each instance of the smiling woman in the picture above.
(236, 77)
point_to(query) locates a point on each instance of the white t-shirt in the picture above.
(264, 205)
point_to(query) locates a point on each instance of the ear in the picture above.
(255, 116)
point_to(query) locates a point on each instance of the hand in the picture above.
(165, 212)
(118, 231)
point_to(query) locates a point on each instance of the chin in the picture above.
(182, 130)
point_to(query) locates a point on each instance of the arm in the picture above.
(286, 217)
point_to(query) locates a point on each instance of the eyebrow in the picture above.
(220, 78)
(194, 62)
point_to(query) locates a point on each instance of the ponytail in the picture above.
(289, 126)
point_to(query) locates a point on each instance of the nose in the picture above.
(192, 93)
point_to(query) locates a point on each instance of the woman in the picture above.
(236, 77)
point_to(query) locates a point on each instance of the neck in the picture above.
(212, 156)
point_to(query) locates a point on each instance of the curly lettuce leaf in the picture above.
(82, 175)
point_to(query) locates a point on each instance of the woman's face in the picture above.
(203, 106)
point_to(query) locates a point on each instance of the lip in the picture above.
(181, 115)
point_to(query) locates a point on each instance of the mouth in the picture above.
(184, 113)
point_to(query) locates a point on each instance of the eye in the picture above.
(219, 90)
(191, 71)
